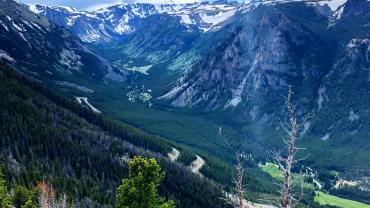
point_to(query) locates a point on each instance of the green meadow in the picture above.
(326, 199)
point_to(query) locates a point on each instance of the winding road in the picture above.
(174, 154)
(197, 164)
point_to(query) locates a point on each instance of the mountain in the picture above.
(115, 23)
(261, 51)
(241, 65)
(46, 50)
(212, 76)
(323, 56)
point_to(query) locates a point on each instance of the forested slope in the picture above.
(46, 137)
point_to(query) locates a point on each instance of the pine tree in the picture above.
(5, 200)
(29, 204)
(140, 189)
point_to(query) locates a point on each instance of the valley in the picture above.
(207, 80)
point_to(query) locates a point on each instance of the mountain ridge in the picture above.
(115, 22)
(54, 50)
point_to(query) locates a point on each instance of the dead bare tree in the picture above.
(292, 127)
(47, 197)
(238, 180)
(236, 199)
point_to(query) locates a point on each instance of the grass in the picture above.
(276, 173)
(326, 199)
(273, 170)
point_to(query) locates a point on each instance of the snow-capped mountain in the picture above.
(46, 50)
(116, 22)
(267, 46)
(259, 53)
(162, 1)
(272, 47)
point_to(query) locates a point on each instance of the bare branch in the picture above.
(292, 128)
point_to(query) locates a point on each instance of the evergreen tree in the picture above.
(140, 189)
(23, 196)
(5, 201)
(29, 204)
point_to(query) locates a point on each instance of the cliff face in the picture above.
(263, 51)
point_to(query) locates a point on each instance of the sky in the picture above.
(96, 4)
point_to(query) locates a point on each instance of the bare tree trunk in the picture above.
(47, 197)
(63, 202)
(239, 182)
(286, 199)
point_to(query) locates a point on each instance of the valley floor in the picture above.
(326, 199)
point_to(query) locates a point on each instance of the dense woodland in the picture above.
(45, 137)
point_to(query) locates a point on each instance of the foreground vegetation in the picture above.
(137, 191)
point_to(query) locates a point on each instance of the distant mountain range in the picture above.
(115, 23)
(40, 47)
(230, 62)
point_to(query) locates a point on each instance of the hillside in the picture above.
(194, 83)
(45, 137)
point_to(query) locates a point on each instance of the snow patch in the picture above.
(36, 25)
(333, 4)
(217, 18)
(4, 55)
(4, 25)
(123, 28)
(185, 19)
(27, 23)
(338, 13)
(156, 2)
(69, 9)
(17, 26)
(34, 9)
